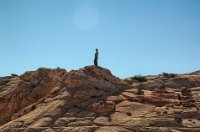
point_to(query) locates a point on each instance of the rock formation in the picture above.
(92, 99)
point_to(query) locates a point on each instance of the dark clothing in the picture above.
(96, 59)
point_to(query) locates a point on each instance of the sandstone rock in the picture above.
(61, 122)
(81, 123)
(79, 129)
(112, 129)
(136, 109)
(102, 121)
(92, 99)
(116, 99)
(27, 89)
(102, 106)
(163, 122)
(45, 121)
(182, 82)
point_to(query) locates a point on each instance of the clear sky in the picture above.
(133, 36)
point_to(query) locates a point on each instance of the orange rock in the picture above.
(101, 106)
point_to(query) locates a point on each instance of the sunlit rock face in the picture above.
(92, 99)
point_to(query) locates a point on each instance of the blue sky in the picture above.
(133, 36)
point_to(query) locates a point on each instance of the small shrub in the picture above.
(75, 106)
(33, 107)
(139, 91)
(165, 112)
(139, 78)
(169, 75)
(128, 113)
(128, 81)
(43, 100)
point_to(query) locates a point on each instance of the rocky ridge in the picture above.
(92, 99)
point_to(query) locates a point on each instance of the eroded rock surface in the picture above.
(92, 99)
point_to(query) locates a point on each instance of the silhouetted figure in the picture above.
(96, 58)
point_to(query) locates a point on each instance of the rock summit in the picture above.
(91, 99)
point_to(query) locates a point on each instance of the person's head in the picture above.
(96, 50)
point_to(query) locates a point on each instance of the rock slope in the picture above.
(92, 99)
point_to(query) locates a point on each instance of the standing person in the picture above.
(96, 58)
